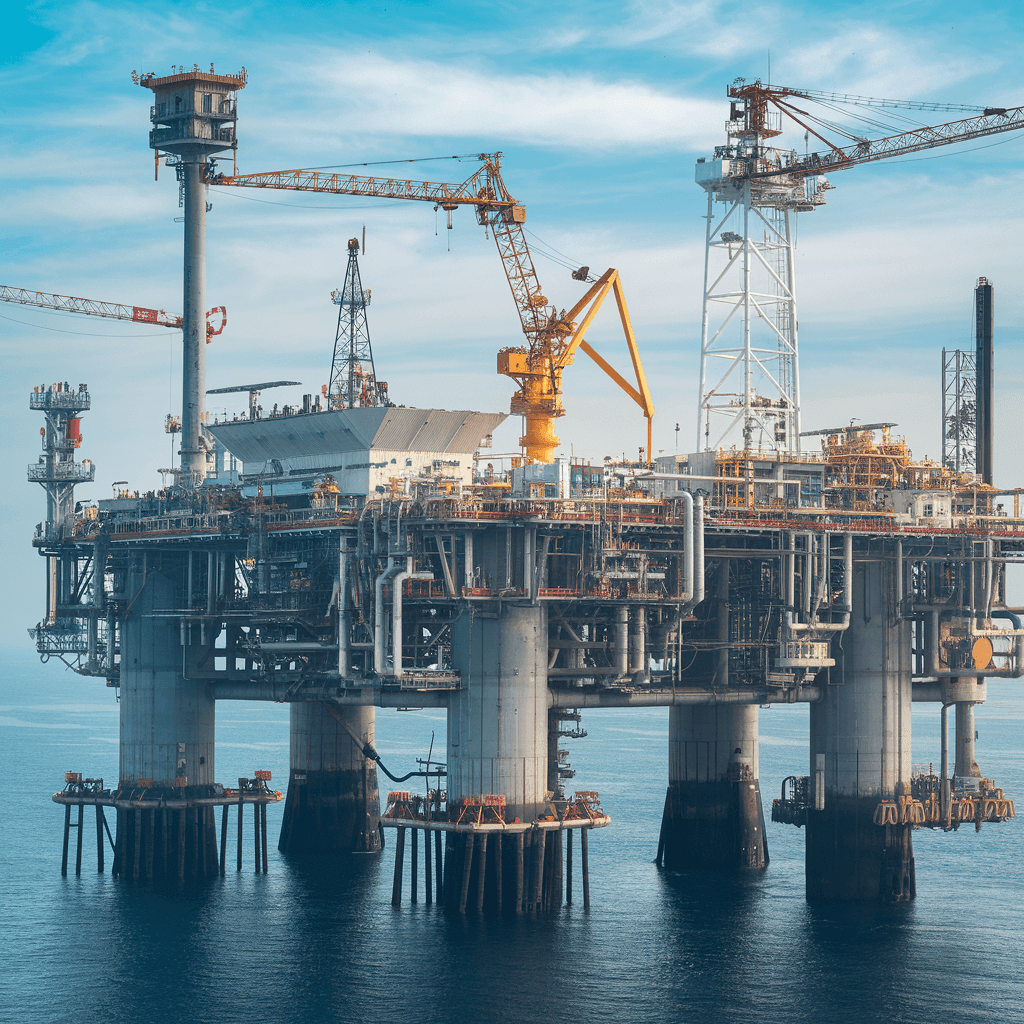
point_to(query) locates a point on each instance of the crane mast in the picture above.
(749, 366)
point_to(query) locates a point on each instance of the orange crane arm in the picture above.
(991, 121)
(610, 281)
(110, 310)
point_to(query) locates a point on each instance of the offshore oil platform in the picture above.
(348, 554)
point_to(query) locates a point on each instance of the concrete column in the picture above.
(713, 816)
(498, 721)
(332, 805)
(860, 744)
(167, 731)
(966, 762)
(167, 721)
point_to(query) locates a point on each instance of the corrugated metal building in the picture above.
(363, 449)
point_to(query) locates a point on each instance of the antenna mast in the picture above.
(354, 383)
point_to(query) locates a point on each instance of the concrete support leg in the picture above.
(167, 722)
(498, 744)
(713, 816)
(860, 747)
(332, 805)
(498, 721)
(966, 761)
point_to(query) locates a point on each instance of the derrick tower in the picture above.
(354, 383)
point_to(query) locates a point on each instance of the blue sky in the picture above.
(601, 110)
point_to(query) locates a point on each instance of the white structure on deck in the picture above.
(364, 450)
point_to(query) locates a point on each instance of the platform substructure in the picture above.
(713, 816)
(167, 728)
(333, 804)
(498, 720)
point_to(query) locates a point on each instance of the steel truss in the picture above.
(749, 375)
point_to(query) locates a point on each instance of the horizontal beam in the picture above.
(366, 696)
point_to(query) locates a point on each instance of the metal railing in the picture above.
(62, 472)
(43, 400)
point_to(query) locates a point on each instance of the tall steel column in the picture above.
(860, 752)
(983, 313)
(193, 373)
(333, 805)
(194, 119)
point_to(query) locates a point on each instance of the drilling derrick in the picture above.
(354, 383)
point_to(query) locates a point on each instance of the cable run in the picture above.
(382, 163)
(86, 334)
(303, 206)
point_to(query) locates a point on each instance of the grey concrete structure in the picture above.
(860, 752)
(498, 724)
(332, 805)
(167, 721)
(713, 815)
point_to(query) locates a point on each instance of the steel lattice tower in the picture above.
(354, 384)
(749, 371)
(959, 411)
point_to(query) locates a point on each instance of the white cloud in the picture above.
(379, 95)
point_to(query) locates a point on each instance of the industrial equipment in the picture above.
(254, 392)
(749, 322)
(110, 310)
(552, 336)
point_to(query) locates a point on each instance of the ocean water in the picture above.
(321, 942)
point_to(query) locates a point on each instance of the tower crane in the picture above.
(749, 377)
(552, 336)
(110, 310)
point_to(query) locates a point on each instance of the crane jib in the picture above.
(992, 122)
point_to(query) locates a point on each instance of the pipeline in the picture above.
(846, 607)
(396, 612)
(934, 612)
(369, 752)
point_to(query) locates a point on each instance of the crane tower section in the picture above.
(750, 381)
(354, 383)
(749, 371)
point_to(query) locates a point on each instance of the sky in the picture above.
(600, 109)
